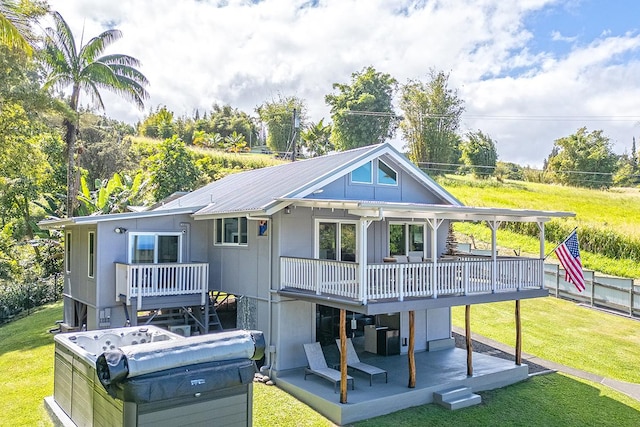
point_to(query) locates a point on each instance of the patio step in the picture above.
(456, 398)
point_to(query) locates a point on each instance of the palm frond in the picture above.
(14, 28)
(61, 38)
(94, 47)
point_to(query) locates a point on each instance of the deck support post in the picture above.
(518, 335)
(467, 335)
(343, 355)
(410, 351)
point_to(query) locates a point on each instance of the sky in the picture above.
(529, 71)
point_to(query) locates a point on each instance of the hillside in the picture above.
(617, 209)
(608, 221)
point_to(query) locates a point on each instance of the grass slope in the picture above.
(615, 208)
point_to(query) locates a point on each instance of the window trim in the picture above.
(339, 222)
(406, 226)
(378, 174)
(353, 181)
(240, 219)
(67, 251)
(91, 254)
(156, 234)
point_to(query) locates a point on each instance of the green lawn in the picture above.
(552, 328)
(564, 332)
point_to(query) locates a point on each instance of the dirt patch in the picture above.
(479, 347)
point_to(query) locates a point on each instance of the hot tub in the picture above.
(139, 376)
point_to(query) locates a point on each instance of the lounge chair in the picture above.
(318, 366)
(353, 361)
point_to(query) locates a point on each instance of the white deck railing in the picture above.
(400, 280)
(159, 280)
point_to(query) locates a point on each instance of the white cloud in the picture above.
(196, 53)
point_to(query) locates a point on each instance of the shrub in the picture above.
(18, 297)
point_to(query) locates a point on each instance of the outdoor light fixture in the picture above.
(120, 230)
(287, 210)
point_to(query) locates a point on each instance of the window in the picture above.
(154, 248)
(386, 175)
(231, 231)
(406, 239)
(91, 256)
(362, 175)
(336, 241)
(67, 252)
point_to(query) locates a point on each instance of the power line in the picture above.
(507, 117)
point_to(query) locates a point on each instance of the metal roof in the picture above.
(259, 191)
(94, 219)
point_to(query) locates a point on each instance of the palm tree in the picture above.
(14, 28)
(86, 71)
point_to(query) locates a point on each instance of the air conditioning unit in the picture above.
(184, 330)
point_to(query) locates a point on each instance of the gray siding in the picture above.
(98, 293)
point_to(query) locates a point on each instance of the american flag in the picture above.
(569, 255)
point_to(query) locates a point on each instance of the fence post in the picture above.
(593, 288)
(557, 281)
(631, 298)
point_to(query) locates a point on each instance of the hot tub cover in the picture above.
(186, 381)
(152, 361)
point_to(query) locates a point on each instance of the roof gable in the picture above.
(261, 190)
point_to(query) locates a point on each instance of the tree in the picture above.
(173, 169)
(278, 116)
(432, 114)
(105, 145)
(362, 112)
(158, 124)
(112, 195)
(479, 154)
(584, 159)
(15, 31)
(316, 139)
(236, 143)
(85, 70)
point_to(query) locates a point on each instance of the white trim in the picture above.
(91, 261)
(157, 234)
(232, 244)
(396, 184)
(68, 248)
(371, 174)
(406, 225)
(339, 222)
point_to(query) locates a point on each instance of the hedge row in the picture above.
(18, 297)
(596, 240)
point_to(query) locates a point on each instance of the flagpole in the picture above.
(560, 244)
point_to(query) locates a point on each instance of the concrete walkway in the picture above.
(630, 389)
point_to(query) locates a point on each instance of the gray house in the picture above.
(362, 230)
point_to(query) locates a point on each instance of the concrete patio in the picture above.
(435, 371)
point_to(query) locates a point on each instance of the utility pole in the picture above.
(296, 126)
